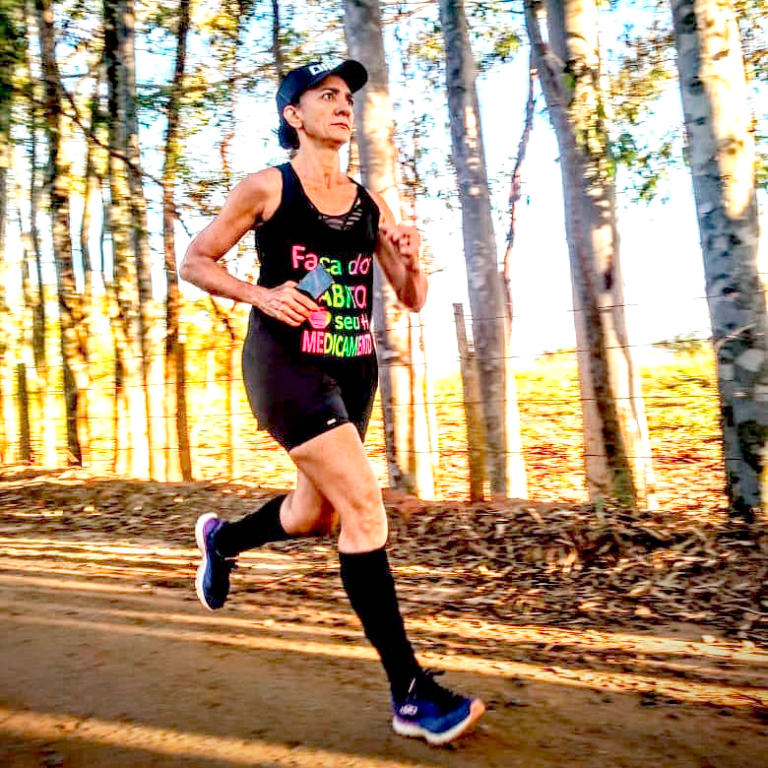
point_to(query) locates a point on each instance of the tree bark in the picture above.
(472, 408)
(179, 459)
(152, 358)
(617, 447)
(91, 193)
(277, 46)
(125, 293)
(720, 143)
(485, 286)
(22, 399)
(73, 351)
(5, 163)
(36, 293)
(405, 418)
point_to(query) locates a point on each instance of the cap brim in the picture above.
(352, 72)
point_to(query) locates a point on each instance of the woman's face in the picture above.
(324, 112)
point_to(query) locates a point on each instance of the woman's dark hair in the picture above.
(287, 135)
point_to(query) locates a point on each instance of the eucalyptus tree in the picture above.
(11, 55)
(149, 328)
(225, 30)
(178, 454)
(126, 318)
(505, 463)
(617, 448)
(405, 419)
(29, 90)
(71, 312)
(721, 151)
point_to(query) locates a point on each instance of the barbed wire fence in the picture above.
(680, 397)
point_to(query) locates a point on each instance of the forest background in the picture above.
(118, 342)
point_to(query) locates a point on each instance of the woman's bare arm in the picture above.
(397, 249)
(246, 205)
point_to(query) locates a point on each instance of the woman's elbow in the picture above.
(187, 266)
(416, 301)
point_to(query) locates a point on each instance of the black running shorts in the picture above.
(296, 398)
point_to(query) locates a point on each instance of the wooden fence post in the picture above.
(22, 397)
(472, 408)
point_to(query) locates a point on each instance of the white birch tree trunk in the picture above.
(617, 446)
(149, 327)
(178, 459)
(5, 163)
(506, 470)
(721, 150)
(71, 317)
(125, 290)
(405, 419)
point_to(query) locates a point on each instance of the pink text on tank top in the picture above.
(341, 328)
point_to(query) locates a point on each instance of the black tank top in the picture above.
(299, 237)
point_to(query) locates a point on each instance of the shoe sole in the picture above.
(476, 711)
(201, 545)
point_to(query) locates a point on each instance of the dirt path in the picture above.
(108, 660)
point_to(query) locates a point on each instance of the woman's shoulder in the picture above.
(264, 181)
(383, 209)
(265, 189)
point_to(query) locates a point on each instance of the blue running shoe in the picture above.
(434, 713)
(212, 581)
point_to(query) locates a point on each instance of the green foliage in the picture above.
(641, 71)
(12, 44)
(645, 69)
(753, 27)
(686, 346)
(648, 164)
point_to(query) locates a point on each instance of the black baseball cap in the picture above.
(353, 73)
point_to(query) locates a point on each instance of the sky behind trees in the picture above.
(658, 238)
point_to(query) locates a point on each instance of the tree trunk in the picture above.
(22, 399)
(516, 462)
(35, 297)
(178, 457)
(476, 442)
(485, 289)
(126, 310)
(617, 447)
(421, 378)
(721, 150)
(73, 352)
(408, 456)
(91, 193)
(277, 47)
(150, 333)
(5, 162)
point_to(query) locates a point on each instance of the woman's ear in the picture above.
(291, 116)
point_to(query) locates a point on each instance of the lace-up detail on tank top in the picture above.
(342, 222)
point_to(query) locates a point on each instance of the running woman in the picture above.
(310, 370)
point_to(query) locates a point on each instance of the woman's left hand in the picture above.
(404, 241)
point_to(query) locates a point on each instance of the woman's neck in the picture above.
(318, 165)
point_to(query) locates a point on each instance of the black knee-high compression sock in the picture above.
(371, 589)
(253, 530)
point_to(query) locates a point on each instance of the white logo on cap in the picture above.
(316, 69)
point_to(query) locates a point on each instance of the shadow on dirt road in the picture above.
(108, 660)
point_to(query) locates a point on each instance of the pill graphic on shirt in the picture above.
(319, 319)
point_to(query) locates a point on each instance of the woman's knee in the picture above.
(363, 516)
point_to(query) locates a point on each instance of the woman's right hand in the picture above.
(286, 304)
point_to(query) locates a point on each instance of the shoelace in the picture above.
(425, 685)
(230, 563)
